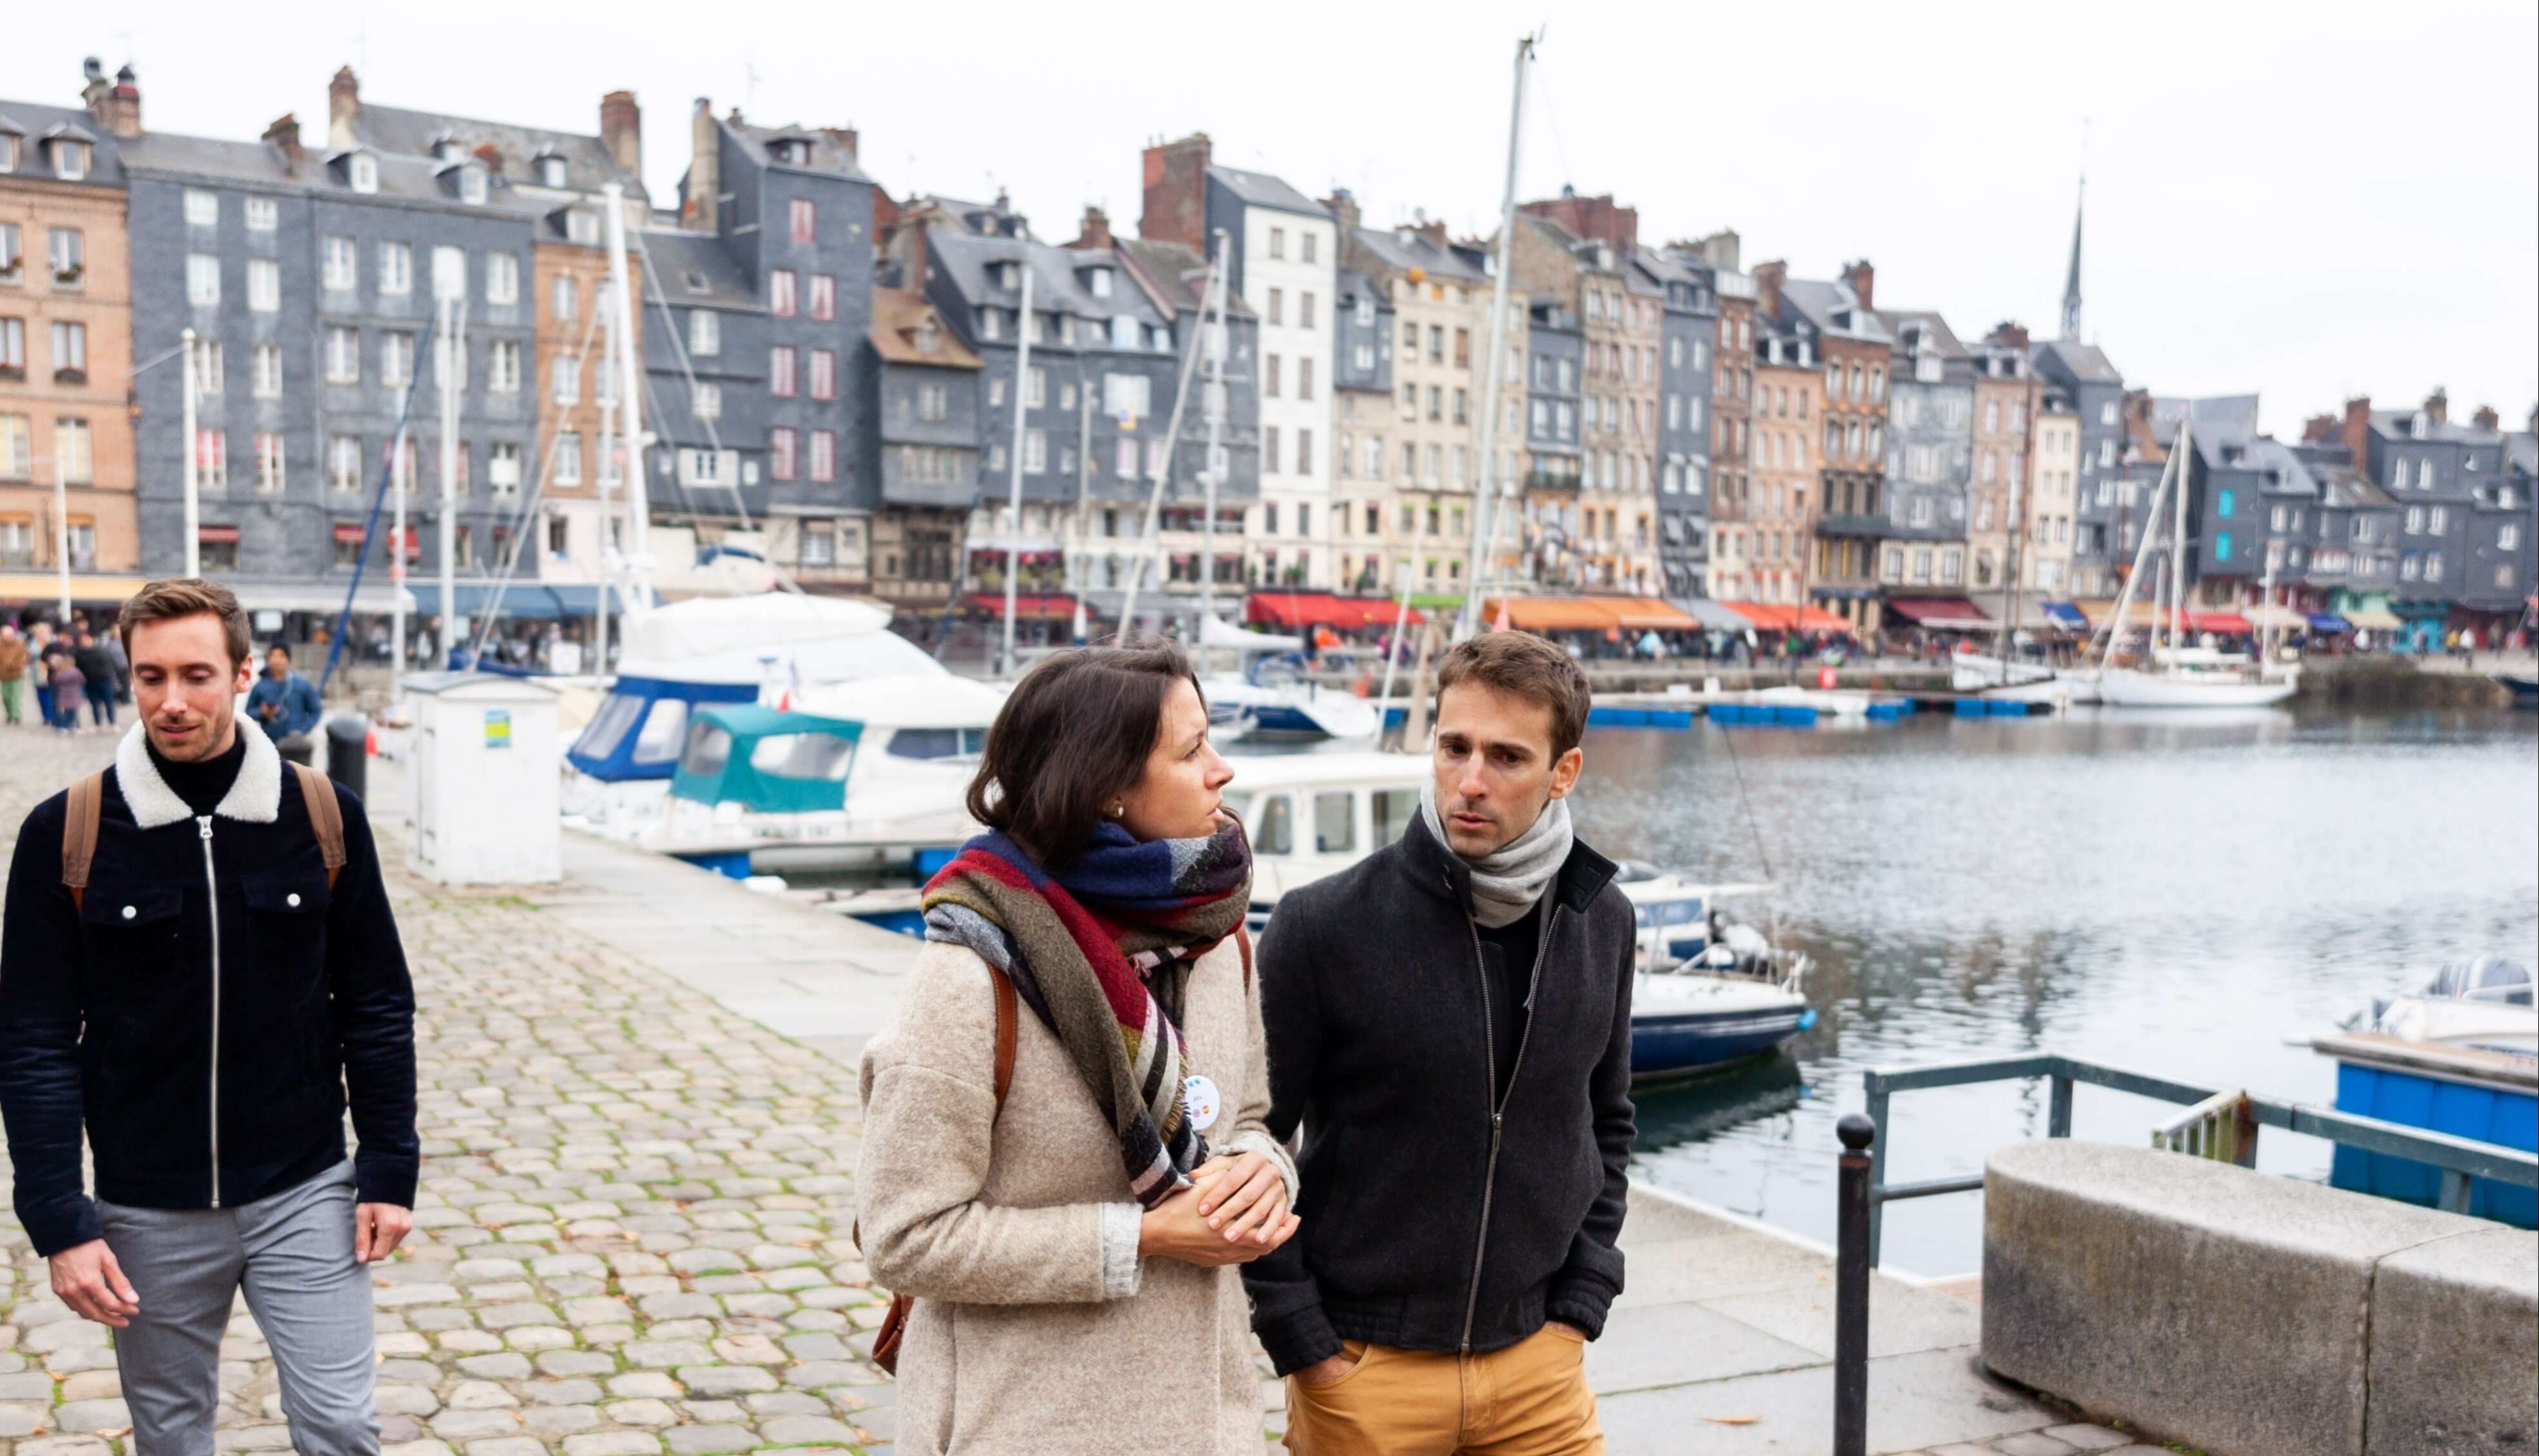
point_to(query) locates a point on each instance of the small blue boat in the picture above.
(1710, 992)
(2460, 1057)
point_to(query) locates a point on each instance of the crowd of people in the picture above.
(68, 668)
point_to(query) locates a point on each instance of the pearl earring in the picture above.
(1117, 809)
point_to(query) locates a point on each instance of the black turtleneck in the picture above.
(202, 786)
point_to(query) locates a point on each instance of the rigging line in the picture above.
(504, 575)
(371, 523)
(687, 501)
(679, 346)
(1746, 802)
(1542, 89)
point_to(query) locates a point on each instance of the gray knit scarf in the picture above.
(1509, 881)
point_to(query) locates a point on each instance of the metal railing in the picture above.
(2459, 1160)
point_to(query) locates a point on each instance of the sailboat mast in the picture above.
(2178, 536)
(1172, 451)
(630, 379)
(2142, 563)
(1216, 341)
(1485, 510)
(2009, 634)
(1022, 414)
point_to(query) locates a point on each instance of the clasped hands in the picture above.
(1234, 1211)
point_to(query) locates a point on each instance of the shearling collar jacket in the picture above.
(208, 1010)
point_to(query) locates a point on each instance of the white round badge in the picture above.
(1199, 1099)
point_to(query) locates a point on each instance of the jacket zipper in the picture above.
(212, 887)
(1499, 1103)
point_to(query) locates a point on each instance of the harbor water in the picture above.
(2175, 891)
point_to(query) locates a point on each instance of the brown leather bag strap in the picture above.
(1004, 1034)
(325, 815)
(1243, 942)
(79, 835)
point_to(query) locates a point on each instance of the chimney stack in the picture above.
(1595, 219)
(1863, 282)
(283, 136)
(1344, 205)
(2437, 406)
(1432, 229)
(2358, 431)
(702, 207)
(1768, 278)
(119, 109)
(2485, 418)
(2320, 430)
(1176, 186)
(910, 243)
(621, 130)
(93, 89)
(846, 139)
(343, 107)
(2010, 335)
(1722, 249)
(1094, 231)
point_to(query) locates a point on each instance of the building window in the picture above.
(2222, 546)
(779, 370)
(70, 159)
(1277, 311)
(343, 356)
(397, 358)
(565, 378)
(780, 293)
(1305, 383)
(567, 458)
(344, 462)
(74, 452)
(202, 280)
(1304, 452)
(396, 268)
(706, 402)
(202, 209)
(1269, 374)
(824, 297)
(564, 297)
(502, 278)
(207, 363)
(265, 369)
(471, 185)
(503, 468)
(269, 472)
(263, 284)
(824, 374)
(450, 272)
(805, 220)
(1278, 242)
(364, 173)
(70, 353)
(934, 401)
(781, 444)
(824, 454)
(704, 333)
(503, 367)
(340, 270)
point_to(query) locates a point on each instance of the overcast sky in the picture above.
(2306, 200)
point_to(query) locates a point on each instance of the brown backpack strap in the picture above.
(1243, 942)
(1004, 1034)
(79, 835)
(325, 815)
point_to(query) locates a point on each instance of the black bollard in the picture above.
(348, 753)
(1851, 1289)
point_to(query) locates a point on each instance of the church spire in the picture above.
(2072, 281)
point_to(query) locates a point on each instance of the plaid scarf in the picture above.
(1081, 947)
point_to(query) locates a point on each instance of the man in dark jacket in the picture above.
(98, 666)
(1450, 1020)
(200, 1009)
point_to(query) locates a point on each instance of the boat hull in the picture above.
(2021, 682)
(1687, 1044)
(2442, 1090)
(2128, 689)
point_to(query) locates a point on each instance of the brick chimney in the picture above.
(909, 246)
(2010, 335)
(702, 207)
(94, 88)
(1722, 249)
(118, 110)
(343, 109)
(1863, 282)
(2437, 406)
(283, 136)
(1094, 231)
(846, 139)
(2356, 433)
(1596, 218)
(492, 157)
(1768, 278)
(2485, 418)
(1432, 229)
(1176, 184)
(621, 130)
(2321, 430)
(1343, 208)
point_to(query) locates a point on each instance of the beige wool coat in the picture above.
(1007, 1231)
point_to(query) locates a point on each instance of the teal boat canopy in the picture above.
(767, 760)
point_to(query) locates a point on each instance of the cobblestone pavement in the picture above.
(632, 1237)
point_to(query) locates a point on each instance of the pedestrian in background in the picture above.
(283, 703)
(1069, 1228)
(67, 682)
(13, 672)
(197, 963)
(39, 638)
(97, 672)
(121, 661)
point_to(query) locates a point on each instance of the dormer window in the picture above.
(70, 159)
(581, 227)
(1010, 275)
(695, 279)
(1101, 281)
(2417, 427)
(364, 172)
(551, 170)
(8, 145)
(473, 185)
(447, 149)
(929, 339)
(991, 325)
(1124, 332)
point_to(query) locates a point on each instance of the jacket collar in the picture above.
(254, 799)
(1441, 871)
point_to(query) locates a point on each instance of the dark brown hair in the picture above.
(1071, 738)
(170, 597)
(1527, 666)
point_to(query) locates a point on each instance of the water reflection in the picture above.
(2177, 891)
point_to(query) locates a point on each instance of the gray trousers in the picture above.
(293, 1253)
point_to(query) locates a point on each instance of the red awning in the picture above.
(1029, 606)
(344, 532)
(1940, 613)
(1323, 610)
(2220, 624)
(216, 533)
(1773, 617)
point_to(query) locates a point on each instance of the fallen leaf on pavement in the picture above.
(1731, 1419)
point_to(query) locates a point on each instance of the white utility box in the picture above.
(485, 778)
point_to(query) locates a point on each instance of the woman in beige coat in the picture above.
(1071, 1253)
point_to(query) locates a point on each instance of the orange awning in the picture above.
(1552, 613)
(1773, 617)
(1646, 614)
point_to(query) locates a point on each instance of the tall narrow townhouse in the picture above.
(1853, 349)
(1689, 324)
(66, 460)
(2053, 488)
(1553, 519)
(312, 280)
(2096, 391)
(1363, 422)
(1788, 406)
(1283, 263)
(1613, 547)
(1173, 276)
(2439, 473)
(795, 213)
(1440, 305)
(1731, 392)
(560, 177)
(1998, 497)
(1930, 463)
